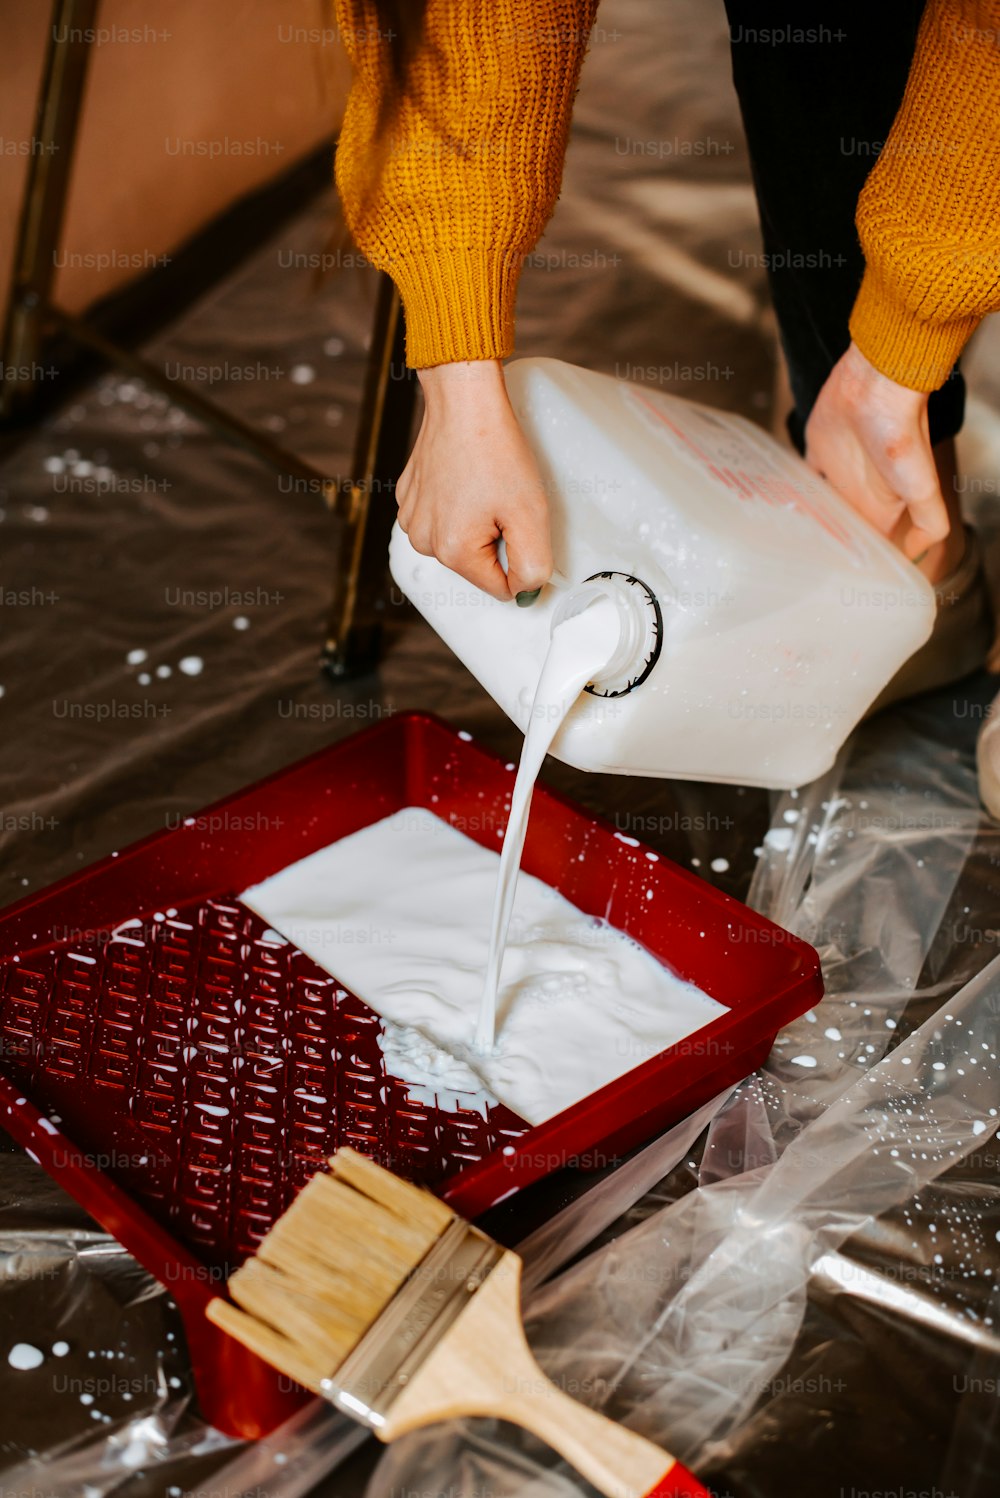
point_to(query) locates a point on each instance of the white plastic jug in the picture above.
(760, 615)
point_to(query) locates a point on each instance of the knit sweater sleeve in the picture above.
(448, 183)
(929, 214)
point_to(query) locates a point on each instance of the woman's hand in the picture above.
(471, 479)
(869, 437)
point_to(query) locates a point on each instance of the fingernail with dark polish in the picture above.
(523, 599)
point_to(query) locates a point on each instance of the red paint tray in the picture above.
(176, 1070)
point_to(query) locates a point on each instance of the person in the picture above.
(449, 164)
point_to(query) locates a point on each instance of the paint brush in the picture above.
(375, 1294)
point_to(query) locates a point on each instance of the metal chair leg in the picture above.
(44, 201)
(360, 595)
(388, 401)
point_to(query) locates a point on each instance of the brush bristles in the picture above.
(329, 1267)
(411, 1203)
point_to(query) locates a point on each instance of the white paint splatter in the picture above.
(134, 1454)
(302, 374)
(720, 865)
(809, 1061)
(23, 1356)
(191, 665)
(136, 657)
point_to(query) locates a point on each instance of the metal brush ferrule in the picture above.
(425, 1306)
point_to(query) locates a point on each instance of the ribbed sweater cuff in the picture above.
(459, 304)
(910, 350)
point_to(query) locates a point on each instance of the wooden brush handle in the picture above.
(484, 1366)
(617, 1461)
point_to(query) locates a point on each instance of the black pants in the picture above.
(815, 109)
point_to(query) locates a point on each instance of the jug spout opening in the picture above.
(641, 637)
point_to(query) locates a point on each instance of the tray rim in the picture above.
(450, 1187)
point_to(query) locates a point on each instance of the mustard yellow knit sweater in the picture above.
(448, 184)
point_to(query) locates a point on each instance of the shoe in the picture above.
(961, 639)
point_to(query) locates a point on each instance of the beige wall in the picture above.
(202, 102)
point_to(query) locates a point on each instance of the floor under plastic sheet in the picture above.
(797, 1294)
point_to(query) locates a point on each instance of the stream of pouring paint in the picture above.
(579, 647)
(399, 913)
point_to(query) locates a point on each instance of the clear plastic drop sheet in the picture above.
(854, 1141)
(132, 540)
